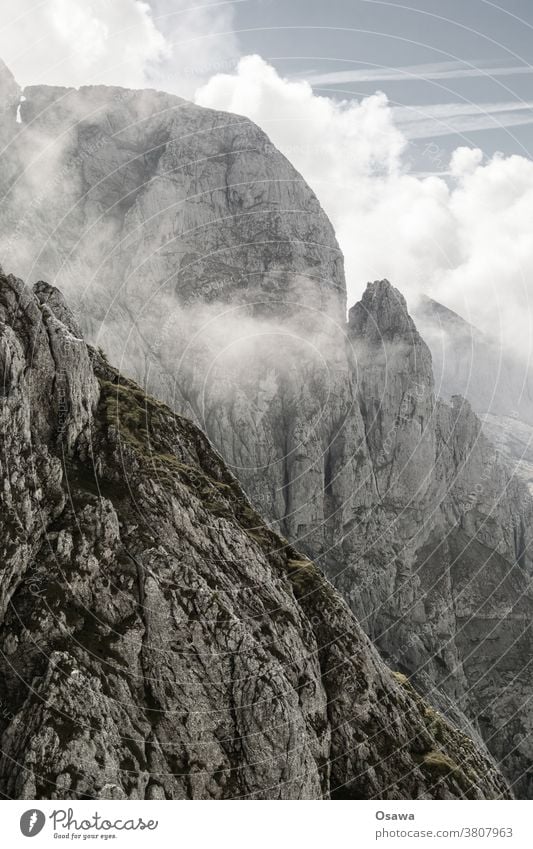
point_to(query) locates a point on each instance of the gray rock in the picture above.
(159, 641)
(452, 547)
(196, 256)
(9, 93)
(514, 439)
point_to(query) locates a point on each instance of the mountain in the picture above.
(200, 261)
(182, 203)
(446, 576)
(158, 640)
(498, 384)
(468, 362)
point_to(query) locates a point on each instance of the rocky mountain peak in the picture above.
(50, 297)
(194, 197)
(179, 234)
(428, 308)
(158, 640)
(9, 90)
(381, 313)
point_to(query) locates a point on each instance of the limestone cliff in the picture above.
(157, 640)
(453, 543)
(496, 381)
(198, 258)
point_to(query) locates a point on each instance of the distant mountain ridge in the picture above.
(496, 382)
(467, 362)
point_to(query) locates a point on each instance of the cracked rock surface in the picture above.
(194, 254)
(157, 639)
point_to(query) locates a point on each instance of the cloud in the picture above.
(171, 44)
(464, 240)
(66, 42)
(200, 39)
(443, 119)
(465, 161)
(416, 73)
(355, 137)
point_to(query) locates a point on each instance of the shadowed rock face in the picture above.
(200, 261)
(453, 546)
(184, 204)
(158, 640)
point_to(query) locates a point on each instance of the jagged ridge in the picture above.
(173, 227)
(158, 640)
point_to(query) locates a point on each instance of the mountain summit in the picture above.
(198, 259)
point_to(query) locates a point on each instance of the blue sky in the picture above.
(461, 70)
(476, 53)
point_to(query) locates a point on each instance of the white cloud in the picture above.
(466, 241)
(201, 41)
(465, 161)
(443, 119)
(430, 71)
(66, 42)
(170, 44)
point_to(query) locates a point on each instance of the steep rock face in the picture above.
(146, 195)
(10, 95)
(158, 641)
(455, 544)
(395, 383)
(191, 250)
(9, 89)
(40, 406)
(200, 261)
(9, 101)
